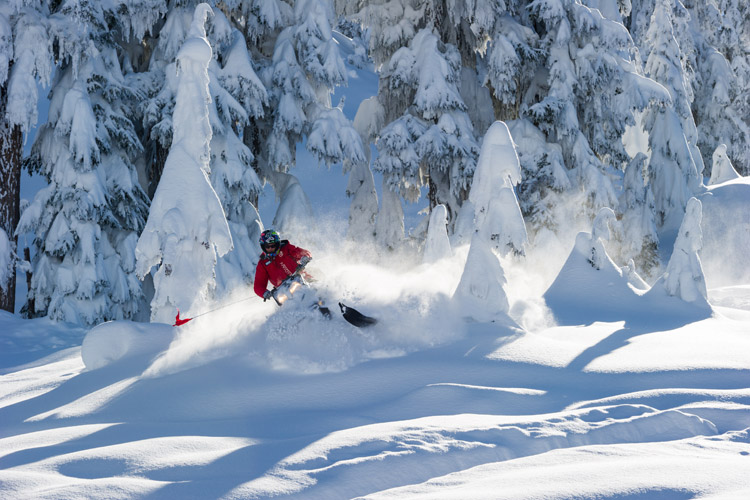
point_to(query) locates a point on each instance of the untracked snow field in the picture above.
(246, 404)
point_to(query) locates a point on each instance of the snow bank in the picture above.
(583, 293)
(116, 340)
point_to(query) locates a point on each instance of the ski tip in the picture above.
(355, 317)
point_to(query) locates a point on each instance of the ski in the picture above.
(355, 317)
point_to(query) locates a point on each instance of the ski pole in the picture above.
(181, 321)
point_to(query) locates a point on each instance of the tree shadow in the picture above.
(649, 322)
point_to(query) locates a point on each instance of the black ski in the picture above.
(355, 317)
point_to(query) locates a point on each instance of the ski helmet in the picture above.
(269, 238)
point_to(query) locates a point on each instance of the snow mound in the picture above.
(581, 292)
(116, 340)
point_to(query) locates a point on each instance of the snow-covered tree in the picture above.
(432, 143)
(722, 170)
(592, 92)
(87, 220)
(305, 67)
(635, 237)
(186, 228)
(437, 246)
(600, 233)
(363, 209)
(497, 214)
(673, 174)
(480, 294)
(294, 214)
(232, 175)
(389, 226)
(544, 176)
(684, 275)
(25, 59)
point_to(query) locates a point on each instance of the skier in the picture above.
(279, 260)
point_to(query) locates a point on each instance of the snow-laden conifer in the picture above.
(363, 209)
(722, 170)
(295, 215)
(186, 228)
(480, 294)
(432, 143)
(544, 176)
(635, 238)
(592, 92)
(684, 275)
(600, 233)
(674, 175)
(497, 214)
(437, 246)
(25, 60)
(237, 98)
(389, 226)
(86, 221)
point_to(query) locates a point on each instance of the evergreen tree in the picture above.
(437, 245)
(497, 214)
(722, 170)
(635, 237)
(684, 275)
(592, 92)
(232, 175)
(87, 220)
(673, 174)
(432, 144)
(25, 58)
(721, 105)
(186, 229)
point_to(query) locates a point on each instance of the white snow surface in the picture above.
(486, 377)
(630, 393)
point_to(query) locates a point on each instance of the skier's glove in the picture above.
(267, 295)
(304, 261)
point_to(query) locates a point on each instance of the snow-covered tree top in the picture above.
(722, 170)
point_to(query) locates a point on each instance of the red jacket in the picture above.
(276, 269)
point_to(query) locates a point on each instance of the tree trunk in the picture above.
(10, 192)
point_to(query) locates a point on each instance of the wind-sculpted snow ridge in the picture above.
(366, 457)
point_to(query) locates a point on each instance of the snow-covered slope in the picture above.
(241, 404)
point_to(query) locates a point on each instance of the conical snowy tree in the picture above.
(389, 226)
(497, 214)
(363, 210)
(437, 246)
(295, 215)
(684, 275)
(600, 233)
(186, 228)
(480, 294)
(544, 177)
(722, 170)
